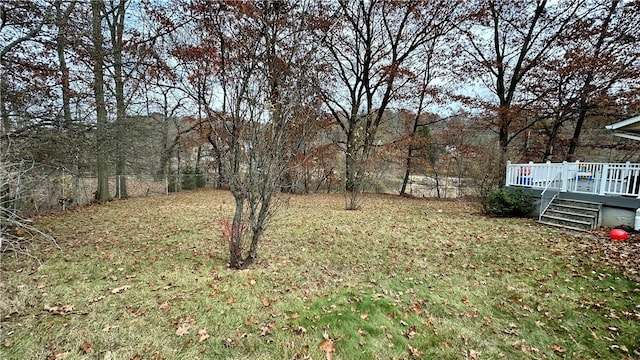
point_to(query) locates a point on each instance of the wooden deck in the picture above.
(603, 179)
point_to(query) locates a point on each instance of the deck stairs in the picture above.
(572, 214)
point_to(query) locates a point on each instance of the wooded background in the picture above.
(309, 95)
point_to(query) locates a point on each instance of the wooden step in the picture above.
(561, 218)
(578, 203)
(562, 226)
(572, 214)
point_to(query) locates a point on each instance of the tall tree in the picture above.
(115, 16)
(503, 41)
(604, 54)
(593, 78)
(97, 59)
(368, 46)
(416, 137)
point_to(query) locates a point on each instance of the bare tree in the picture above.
(504, 42)
(97, 58)
(604, 56)
(260, 47)
(369, 48)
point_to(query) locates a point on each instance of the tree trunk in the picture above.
(117, 33)
(503, 135)
(258, 225)
(235, 233)
(548, 150)
(351, 160)
(61, 44)
(102, 193)
(407, 171)
(575, 139)
(4, 113)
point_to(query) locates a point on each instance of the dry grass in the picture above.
(400, 278)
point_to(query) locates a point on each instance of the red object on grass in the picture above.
(618, 234)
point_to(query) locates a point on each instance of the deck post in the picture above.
(633, 180)
(508, 173)
(603, 178)
(565, 176)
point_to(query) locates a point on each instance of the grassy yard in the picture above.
(146, 278)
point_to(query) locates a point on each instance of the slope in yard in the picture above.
(401, 278)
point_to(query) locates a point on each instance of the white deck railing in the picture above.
(616, 179)
(550, 192)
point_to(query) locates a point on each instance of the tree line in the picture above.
(276, 92)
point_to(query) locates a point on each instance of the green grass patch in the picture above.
(400, 278)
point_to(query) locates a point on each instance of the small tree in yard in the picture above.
(259, 47)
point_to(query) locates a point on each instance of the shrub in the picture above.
(509, 202)
(187, 178)
(199, 178)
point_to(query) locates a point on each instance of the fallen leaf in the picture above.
(120, 289)
(266, 330)
(514, 298)
(474, 354)
(299, 330)
(156, 356)
(8, 343)
(364, 316)
(411, 332)
(135, 312)
(60, 309)
(137, 356)
(57, 355)
(86, 347)
(557, 348)
(202, 335)
(619, 347)
(328, 347)
(183, 329)
(164, 306)
(228, 343)
(231, 300)
(417, 308)
(414, 352)
(265, 301)
(95, 300)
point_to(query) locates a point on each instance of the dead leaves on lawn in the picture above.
(328, 346)
(184, 325)
(60, 309)
(202, 335)
(120, 289)
(86, 348)
(620, 255)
